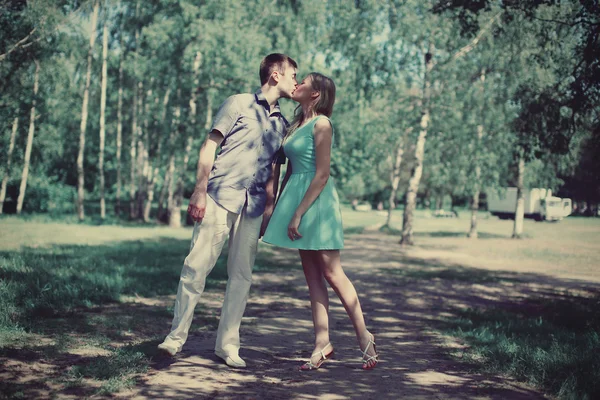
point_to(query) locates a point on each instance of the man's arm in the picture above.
(206, 159)
(271, 189)
(286, 177)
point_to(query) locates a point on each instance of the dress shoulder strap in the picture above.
(318, 117)
(331, 123)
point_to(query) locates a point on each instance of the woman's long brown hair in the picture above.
(324, 104)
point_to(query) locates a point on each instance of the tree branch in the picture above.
(23, 42)
(17, 45)
(460, 53)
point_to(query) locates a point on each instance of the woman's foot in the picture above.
(369, 351)
(318, 358)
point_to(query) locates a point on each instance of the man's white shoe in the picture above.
(171, 351)
(232, 360)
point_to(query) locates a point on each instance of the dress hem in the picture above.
(303, 248)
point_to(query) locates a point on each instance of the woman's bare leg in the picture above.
(331, 268)
(319, 301)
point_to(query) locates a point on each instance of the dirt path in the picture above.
(277, 331)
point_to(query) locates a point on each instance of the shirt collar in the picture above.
(260, 98)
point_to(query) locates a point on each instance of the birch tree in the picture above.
(103, 118)
(11, 147)
(119, 137)
(27, 158)
(84, 117)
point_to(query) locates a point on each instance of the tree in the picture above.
(11, 147)
(27, 159)
(84, 117)
(103, 118)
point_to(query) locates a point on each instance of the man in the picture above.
(231, 194)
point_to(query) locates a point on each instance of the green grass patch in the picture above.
(57, 280)
(551, 344)
(435, 271)
(117, 371)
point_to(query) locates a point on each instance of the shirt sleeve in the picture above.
(226, 117)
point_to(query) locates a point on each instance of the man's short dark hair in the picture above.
(274, 62)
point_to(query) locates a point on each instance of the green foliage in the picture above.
(540, 60)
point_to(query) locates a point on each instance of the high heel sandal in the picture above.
(370, 358)
(309, 366)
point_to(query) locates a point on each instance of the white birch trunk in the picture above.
(11, 147)
(134, 131)
(473, 234)
(520, 206)
(476, 192)
(174, 220)
(28, 147)
(142, 162)
(415, 179)
(119, 136)
(84, 116)
(103, 119)
(395, 176)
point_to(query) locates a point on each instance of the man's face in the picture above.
(287, 82)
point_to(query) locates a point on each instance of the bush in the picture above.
(42, 196)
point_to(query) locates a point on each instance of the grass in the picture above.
(555, 348)
(549, 339)
(63, 285)
(63, 293)
(115, 370)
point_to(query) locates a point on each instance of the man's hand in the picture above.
(197, 206)
(265, 222)
(293, 233)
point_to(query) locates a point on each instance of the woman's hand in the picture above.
(293, 233)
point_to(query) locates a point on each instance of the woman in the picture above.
(307, 217)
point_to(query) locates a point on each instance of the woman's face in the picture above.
(304, 91)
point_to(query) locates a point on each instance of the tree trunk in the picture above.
(476, 159)
(175, 220)
(119, 135)
(520, 207)
(134, 129)
(156, 158)
(171, 173)
(439, 202)
(25, 175)
(103, 119)
(133, 154)
(142, 162)
(209, 111)
(11, 147)
(477, 190)
(415, 179)
(150, 198)
(173, 213)
(84, 116)
(475, 204)
(395, 177)
(163, 195)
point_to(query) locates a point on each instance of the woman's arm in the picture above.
(323, 136)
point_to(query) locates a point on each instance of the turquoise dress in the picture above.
(321, 225)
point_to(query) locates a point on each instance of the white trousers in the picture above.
(207, 242)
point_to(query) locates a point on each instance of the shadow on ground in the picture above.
(407, 302)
